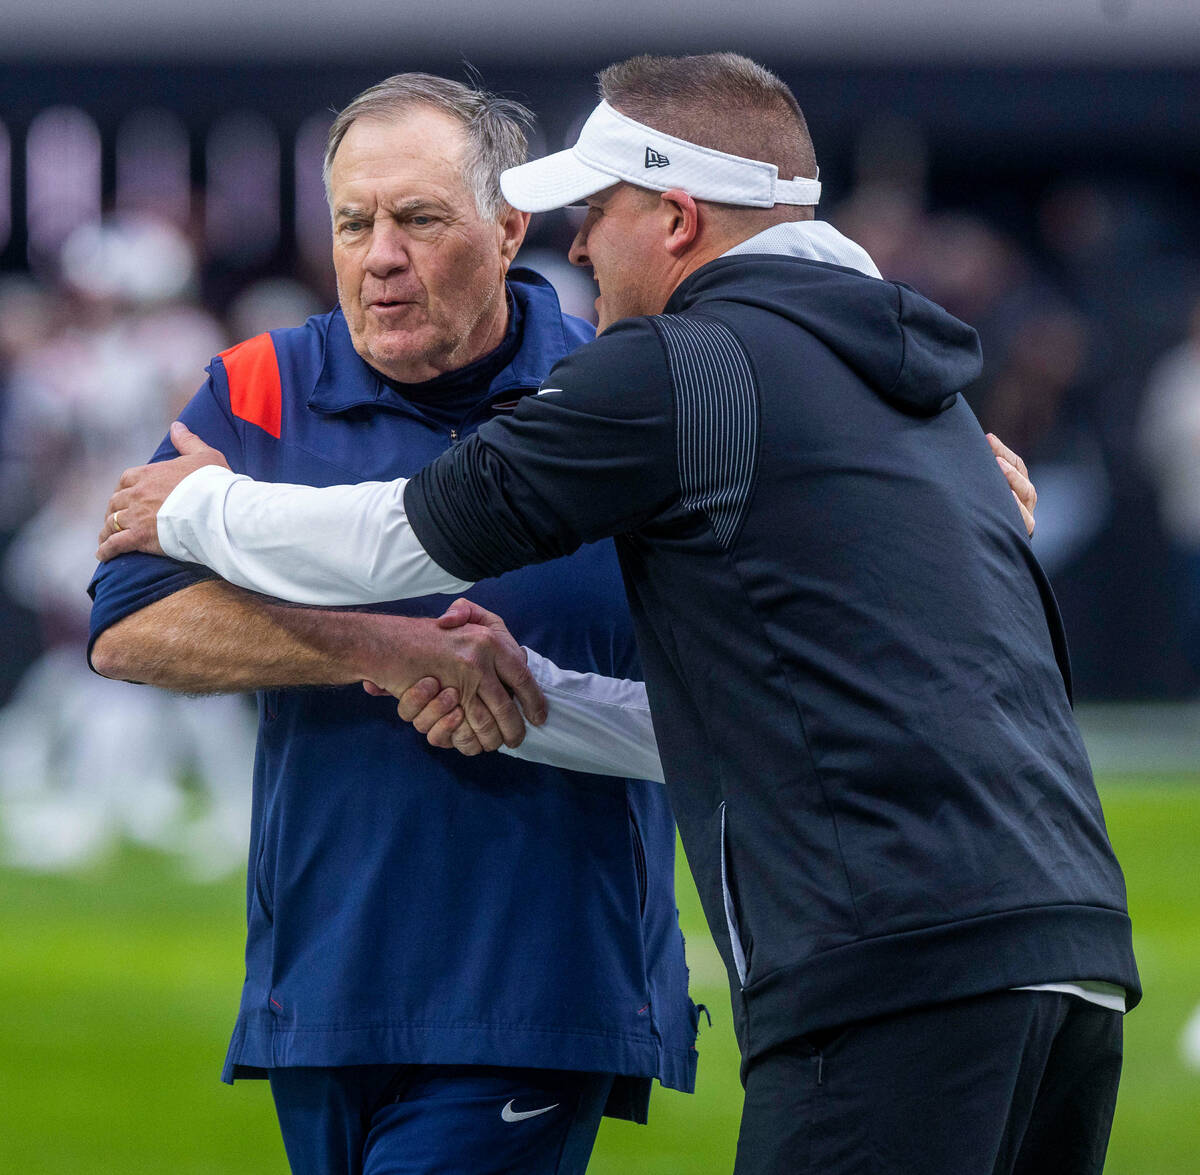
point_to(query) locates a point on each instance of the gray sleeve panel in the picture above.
(717, 419)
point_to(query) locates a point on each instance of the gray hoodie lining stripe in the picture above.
(716, 422)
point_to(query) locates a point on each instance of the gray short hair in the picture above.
(495, 128)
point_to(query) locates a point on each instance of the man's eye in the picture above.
(421, 221)
(353, 226)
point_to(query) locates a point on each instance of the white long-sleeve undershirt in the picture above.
(596, 724)
(349, 544)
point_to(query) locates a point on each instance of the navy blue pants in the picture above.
(1013, 1083)
(438, 1119)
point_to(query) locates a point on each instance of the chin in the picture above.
(413, 361)
(403, 364)
(403, 349)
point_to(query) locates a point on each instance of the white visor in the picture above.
(612, 148)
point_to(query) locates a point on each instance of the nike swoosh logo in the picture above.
(547, 391)
(511, 1115)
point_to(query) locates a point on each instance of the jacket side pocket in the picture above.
(639, 859)
(731, 923)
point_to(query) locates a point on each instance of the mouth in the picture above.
(392, 310)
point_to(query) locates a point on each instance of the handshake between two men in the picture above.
(461, 679)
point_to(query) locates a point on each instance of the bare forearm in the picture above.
(215, 638)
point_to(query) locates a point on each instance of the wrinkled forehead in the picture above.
(406, 145)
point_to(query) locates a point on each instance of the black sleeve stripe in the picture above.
(716, 432)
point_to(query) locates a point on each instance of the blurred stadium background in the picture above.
(1033, 168)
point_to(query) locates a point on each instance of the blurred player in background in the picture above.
(109, 357)
(450, 965)
(1169, 440)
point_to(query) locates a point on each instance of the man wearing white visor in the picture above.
(855, 667)
(612, 148)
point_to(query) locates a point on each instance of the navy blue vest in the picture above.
(411, 905)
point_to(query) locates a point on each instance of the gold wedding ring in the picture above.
(117, 521)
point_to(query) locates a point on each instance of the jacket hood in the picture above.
(910, 351)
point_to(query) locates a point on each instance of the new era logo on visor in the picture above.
(654, 159)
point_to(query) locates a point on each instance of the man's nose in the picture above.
(388, 251)
(577, 254)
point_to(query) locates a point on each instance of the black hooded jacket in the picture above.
(855, 665)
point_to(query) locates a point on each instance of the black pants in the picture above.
(1013, 1083)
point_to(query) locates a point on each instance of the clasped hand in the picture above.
(435, 709)
(477, 693)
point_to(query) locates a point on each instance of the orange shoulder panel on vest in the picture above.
(254, 390)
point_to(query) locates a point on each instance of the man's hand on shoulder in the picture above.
(131, 520)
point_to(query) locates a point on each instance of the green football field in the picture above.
(119, 989)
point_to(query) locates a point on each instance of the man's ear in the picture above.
(513, 225)
(683, 221)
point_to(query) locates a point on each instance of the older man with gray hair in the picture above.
(450, 965)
